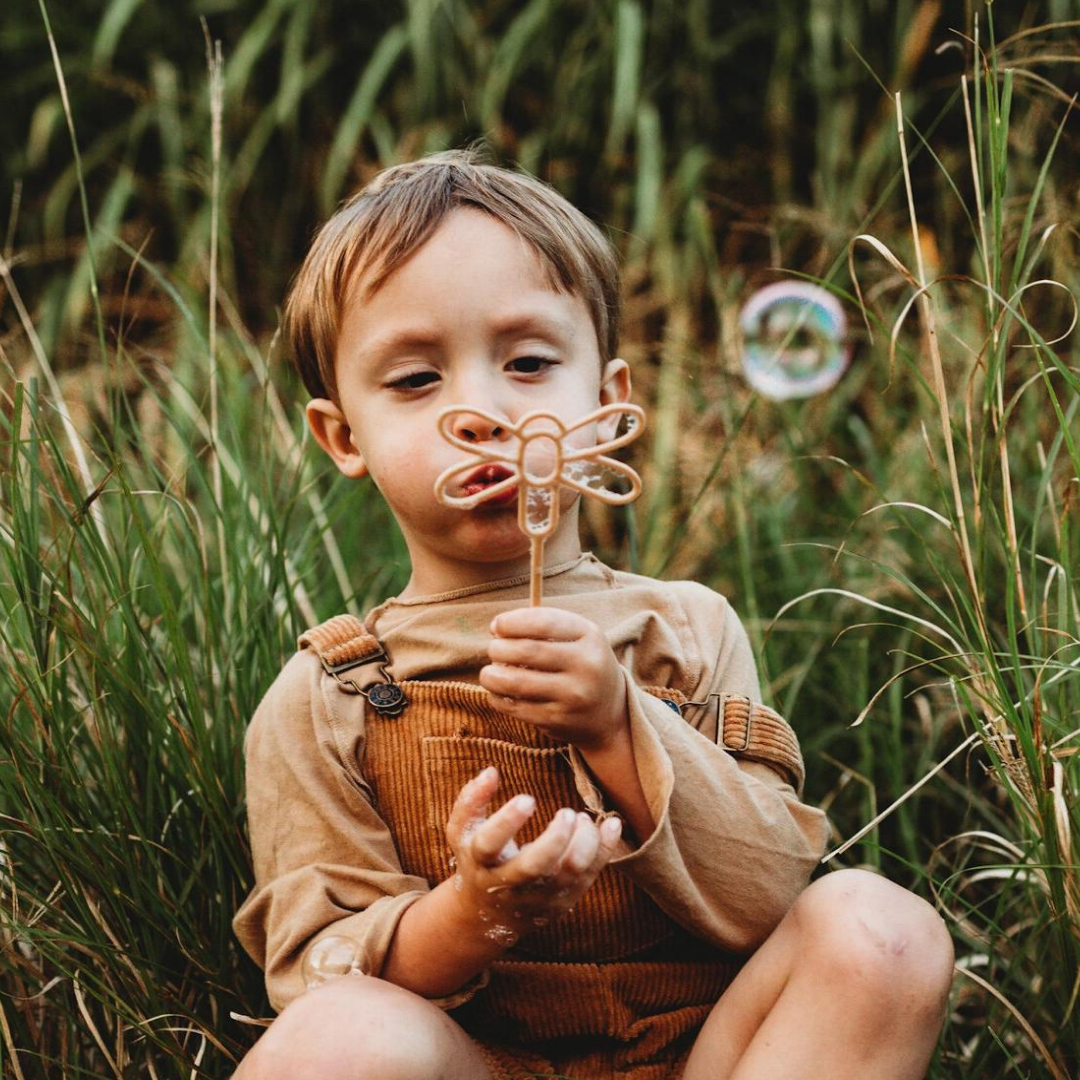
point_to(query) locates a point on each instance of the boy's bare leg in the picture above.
(852, 983)
(357, 1028)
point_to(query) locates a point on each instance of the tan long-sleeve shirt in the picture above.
(733, 844)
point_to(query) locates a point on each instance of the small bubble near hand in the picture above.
(330, 958)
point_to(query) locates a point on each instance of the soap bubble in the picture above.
(329, 958)
(793, 340)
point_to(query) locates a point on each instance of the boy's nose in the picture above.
(477, 427)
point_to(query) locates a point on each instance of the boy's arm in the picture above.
(324, 861)
(326, 865)
(725, 849)
(734, 844)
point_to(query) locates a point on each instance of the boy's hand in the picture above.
(514, 890)
(555, 669)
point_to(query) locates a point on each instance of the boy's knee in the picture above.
(875, 936)
(354, 1028)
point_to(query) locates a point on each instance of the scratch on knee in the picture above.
(886, 943)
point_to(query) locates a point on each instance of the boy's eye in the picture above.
(415, 380)
(530, 365)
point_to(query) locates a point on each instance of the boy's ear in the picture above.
(614, 387)
(333, 434)
(615, 381)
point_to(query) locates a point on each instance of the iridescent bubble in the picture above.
(793, 340)
(330, 958)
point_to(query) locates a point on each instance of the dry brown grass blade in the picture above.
(1056, 1071)
(92, 1027)
(9, 1042)
(926, 309)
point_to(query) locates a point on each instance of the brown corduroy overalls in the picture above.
(613, 987)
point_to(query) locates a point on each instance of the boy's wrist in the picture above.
(616, 739)
(613, 766)
(441, 944)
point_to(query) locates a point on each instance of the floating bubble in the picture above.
(793, 340)
(330, 958)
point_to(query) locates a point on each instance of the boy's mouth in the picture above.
(488, 476)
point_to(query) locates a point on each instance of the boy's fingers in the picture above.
(531, 653)
(472, 802)
(543, 856)
(493, 842)
(519, 683)
(545, 623)
(610, 831)
(583, 847)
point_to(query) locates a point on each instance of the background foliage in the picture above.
(904, 549)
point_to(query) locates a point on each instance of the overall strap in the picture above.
(754, 731)
(343, 643)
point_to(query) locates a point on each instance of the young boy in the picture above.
(547, 840)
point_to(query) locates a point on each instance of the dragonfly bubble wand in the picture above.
(537, 460)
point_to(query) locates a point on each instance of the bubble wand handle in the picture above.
(536, 571)
(537, 457)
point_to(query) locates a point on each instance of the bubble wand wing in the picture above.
(538, 462)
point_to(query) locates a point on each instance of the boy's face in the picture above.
(470, 319)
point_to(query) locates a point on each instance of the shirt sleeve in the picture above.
(733, 844)
(325, 863)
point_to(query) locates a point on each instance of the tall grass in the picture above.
(905, 548)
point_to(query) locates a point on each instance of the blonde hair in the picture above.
(386, 222)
